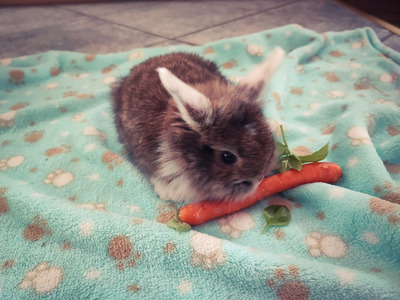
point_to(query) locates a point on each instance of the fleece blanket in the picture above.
(78, 221)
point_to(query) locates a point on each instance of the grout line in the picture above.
(383, 40)
(239, 18)
(176, 38)
(116, 24)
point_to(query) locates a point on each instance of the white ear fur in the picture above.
(184, 95)
(262, 74)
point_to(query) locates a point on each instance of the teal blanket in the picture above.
(78, 221)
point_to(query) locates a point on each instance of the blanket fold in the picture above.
(78, 221)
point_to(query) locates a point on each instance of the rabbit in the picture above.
(194, 134)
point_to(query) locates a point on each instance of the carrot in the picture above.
(201, 212)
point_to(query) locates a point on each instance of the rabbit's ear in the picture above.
(194, 107)
(260, 76)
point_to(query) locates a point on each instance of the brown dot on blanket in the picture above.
(33, 136)
(230, 64)
(90, 57)
(328, 129)
(296, 90)
(293, 290)
(321, 215)
(134, 288)
(279, 234)
(58, 150)
(8, 264)
(332, 77)
(19, 105)
(111, 159)
(55, 70)
(65, 246)
(33, 232)
(36, 230)
(376, 270)
(286, 284)
(3, 205)
(108, 69)
(209, 50)
(393, 219)
(16, 77)
(279, 274)
(381, 206)
(337, 53)
(120, 247)
(393, 131)
(392, 197)
(169, 248)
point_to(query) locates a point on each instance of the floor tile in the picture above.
(113, 27)
(107, 8)
(319, 16)
(83, 36)
(393, 42)
(19, 19)
(177, 18)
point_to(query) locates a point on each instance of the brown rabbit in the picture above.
(196, 135)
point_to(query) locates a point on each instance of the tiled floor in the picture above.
(122, 26)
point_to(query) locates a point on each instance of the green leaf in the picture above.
(178, 224)
(280, 148)
(276, 215)
(316, 156)
(288, 160)
(283, 166)
(295, 162)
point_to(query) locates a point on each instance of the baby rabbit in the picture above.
(196, 135)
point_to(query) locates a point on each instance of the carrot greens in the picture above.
(276, 215)
(177, 224)
(289, 160)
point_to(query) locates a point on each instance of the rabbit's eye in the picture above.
(228, 157)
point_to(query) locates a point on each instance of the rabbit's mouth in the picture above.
(243, 185)
(242, 189)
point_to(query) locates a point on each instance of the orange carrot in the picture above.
(201, 212)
